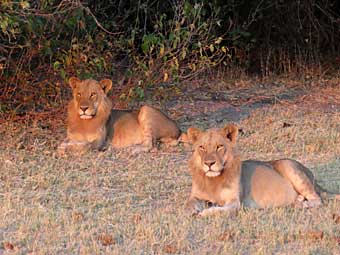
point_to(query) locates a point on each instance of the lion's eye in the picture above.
(219, 147)
(93, 94)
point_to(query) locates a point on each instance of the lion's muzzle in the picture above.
(211, 168)
(85, 113)
(86, 117)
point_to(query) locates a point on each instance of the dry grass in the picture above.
(287, 130)
(114, 203)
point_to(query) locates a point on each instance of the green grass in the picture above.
(114, 203)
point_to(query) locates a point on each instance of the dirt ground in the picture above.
(113, 202)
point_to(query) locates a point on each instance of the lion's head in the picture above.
(89, 97)
(214, 149)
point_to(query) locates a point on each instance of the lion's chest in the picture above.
(95, 136)
(218, 194)
(86, 134)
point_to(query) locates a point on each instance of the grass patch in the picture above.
(111, 202)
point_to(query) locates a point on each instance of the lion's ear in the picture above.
(230, 131)
(73, 81)
(106, 85)
(193, 134)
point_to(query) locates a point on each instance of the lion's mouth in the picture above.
(211, 173)
(86, 117)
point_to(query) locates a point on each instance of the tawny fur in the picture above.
(92, 123)
(221, 189)
(221, 178)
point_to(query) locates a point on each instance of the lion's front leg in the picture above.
(217, 209)
(194, 206)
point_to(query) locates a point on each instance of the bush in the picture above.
(160, 41)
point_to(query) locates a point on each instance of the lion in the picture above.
(220, 178)
(92, 123)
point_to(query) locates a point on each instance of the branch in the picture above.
(88, 11)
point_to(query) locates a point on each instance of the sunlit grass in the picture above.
(114, 203)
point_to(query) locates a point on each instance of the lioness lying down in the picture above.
(91, 121)
(221, 178)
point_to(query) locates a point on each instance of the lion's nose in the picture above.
(84, 108)
(209, 163)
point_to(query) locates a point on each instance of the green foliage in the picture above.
(160, 40)
(181, 46)
(54, 33)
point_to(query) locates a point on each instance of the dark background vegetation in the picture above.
(140, 44)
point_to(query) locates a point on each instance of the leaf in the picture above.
(166, 76)
(62, 74)
(174, 44)
(227, 236)
(336, 218)
(218, 40)
(47, 51)
(24, 4)
(4, 24)
(56, 65)
(314, 235)
(176, 62)
(77, 216)
(311, 148)
(137, 218)
(140, 92)
(161, 51)
(122, 96)
(171, 36)
(8, 246)
(171, 249)
(106, 239)
(184, 53)
(144, 47)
